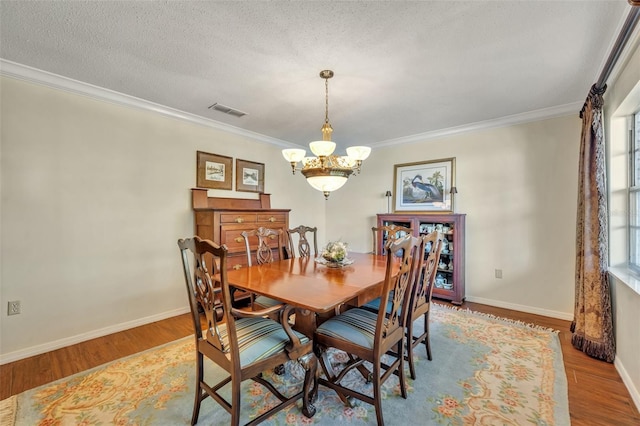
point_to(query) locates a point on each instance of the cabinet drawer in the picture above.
(238, 261)
(237, 218)
(233, 239)
(273, 242)
(272, 218)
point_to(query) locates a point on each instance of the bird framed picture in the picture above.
(249, 176)
(425, 187)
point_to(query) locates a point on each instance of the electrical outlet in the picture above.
(13, 307)
(498, 273)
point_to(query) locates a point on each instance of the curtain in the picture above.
(592, 326)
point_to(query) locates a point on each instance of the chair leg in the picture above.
(377, 394)
(198, 393)
(310, 389)
(401, 375)
(412, 369)
(235, 402)
(427, 339)
(330, 374)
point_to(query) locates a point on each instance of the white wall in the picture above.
(622, 98)
(94, 198)
(517, 185)
(95, 195)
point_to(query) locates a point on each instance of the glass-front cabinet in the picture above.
(450, 275)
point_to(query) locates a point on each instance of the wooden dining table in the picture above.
(315, 289)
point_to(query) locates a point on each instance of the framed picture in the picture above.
(424, 186)
(249, 176)
(214, 171)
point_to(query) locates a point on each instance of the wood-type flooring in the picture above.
(597, 395)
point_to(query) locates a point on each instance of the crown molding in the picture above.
(509, 120)
(34, 75)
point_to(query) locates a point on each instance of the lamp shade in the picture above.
(293, 155)
(359, 152)
(326, 183)
(322, 148)
(347, 161)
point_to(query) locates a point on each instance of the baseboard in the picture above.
(626, 379)
(57, 344)
(522, 308)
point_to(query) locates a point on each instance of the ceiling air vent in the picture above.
(227, 110)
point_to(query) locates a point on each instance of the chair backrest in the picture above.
(396, 292)
(203, 291)
(426, 275)
(304, 248)
(264, 252)
(392, 232)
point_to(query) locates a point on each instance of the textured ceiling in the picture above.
(402, 68)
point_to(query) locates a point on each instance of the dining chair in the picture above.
(392, 232)
(245, 343)
(366, 336)
(420, 304)
(421, 290)
(304, 248)
(264, 254)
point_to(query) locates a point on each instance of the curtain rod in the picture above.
(623, 37)
(625, 33)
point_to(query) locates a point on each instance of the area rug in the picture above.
(485, 371)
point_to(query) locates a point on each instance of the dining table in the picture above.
(318, 290)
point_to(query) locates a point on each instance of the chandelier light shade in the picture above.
(326, 172)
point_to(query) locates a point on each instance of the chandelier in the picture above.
(326, 172)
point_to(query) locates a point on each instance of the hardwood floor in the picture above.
(597, 395)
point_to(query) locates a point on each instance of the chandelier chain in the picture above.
(326, 100)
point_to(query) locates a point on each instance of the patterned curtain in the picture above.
(592, 326)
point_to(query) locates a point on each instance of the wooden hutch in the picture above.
(222, 220)
(450, 282)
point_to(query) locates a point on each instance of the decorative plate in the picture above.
(329, 264)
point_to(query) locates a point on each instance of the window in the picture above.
(634, 194)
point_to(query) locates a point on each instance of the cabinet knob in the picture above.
(273, 237)
(239, 220)
(239, 239)
(236, 267)
(272, 219)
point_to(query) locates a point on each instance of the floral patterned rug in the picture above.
(485, 371)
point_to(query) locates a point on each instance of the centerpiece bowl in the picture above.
(334, 255)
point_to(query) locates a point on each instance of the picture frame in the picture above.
(425, 186)
(214, 171)
(249, 176)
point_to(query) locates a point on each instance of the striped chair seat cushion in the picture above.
(374, 305)
(266, 302)
(259, 338)
(355, 325)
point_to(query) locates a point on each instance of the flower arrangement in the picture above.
(335, 252)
